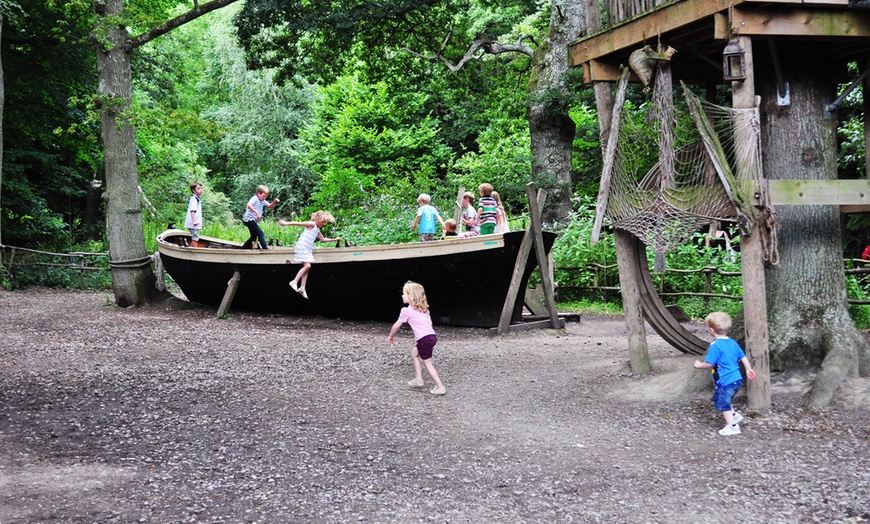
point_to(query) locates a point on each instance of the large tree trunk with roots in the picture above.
(808, 316)
(133, 282)
(552, 130)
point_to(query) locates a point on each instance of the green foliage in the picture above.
(574, 249)
(89, 270)
(367, 144)
(45, 175)
(590, 306)
(858, 288)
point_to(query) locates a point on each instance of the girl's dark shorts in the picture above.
(425, 346)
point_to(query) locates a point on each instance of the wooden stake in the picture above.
(232, 285)
(457, 210)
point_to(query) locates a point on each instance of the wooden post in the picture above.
(629, 274)
(457, 209)
(507, 311)
(752, 263)
(543, 260)
(232, 285)
(632, 305)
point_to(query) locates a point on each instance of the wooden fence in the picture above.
(600, 280)
(81, 262)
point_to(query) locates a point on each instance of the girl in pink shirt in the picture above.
(416, 314)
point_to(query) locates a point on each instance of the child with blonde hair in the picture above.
(416, 314)
(501, 225)
(426, 218)
(303, 251)
(723, 358)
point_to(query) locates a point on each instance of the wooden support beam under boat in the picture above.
(232, 285)
(528, 326)
(535, 206)
(544, 261)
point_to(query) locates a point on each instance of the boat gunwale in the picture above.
(445, 247)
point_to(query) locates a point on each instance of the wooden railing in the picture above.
(618, 11)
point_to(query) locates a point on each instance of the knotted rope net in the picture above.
(672, 174)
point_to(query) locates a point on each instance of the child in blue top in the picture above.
(426, 217)
(723, 357)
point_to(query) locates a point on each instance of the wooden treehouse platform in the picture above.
(698, 30)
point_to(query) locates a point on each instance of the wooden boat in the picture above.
(466, 279)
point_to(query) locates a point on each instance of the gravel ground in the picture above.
(165, 414)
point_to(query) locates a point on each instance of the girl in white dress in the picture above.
(303, 251)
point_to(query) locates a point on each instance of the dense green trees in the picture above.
(51, 152)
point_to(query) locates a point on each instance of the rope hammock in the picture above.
(668, 177)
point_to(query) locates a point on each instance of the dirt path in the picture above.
(165, 414)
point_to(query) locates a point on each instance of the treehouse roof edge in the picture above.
(697, 28)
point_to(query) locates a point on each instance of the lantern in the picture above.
(733, 62)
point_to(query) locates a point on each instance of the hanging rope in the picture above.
(130, 264)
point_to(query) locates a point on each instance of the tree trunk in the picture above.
(133, 282)
(2, 105)
(552, 130)
(806, 294)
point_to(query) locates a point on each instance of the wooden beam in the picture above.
(543, 260)
(457, 210)
(526, 245)
(230, 293)
(752, 265)
(819, 192)
(766, 21)
(645, 28)
(526, 326)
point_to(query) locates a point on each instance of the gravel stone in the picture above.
(165, 414)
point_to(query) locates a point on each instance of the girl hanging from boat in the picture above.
(303, 251)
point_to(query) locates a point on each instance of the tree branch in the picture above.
(197, 11)
(492, 47)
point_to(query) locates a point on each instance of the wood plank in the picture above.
(525, 326)
(800, 22)
(819, 192)
(609, 157)
(854, 210)
(648, 27)
(534, 301)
